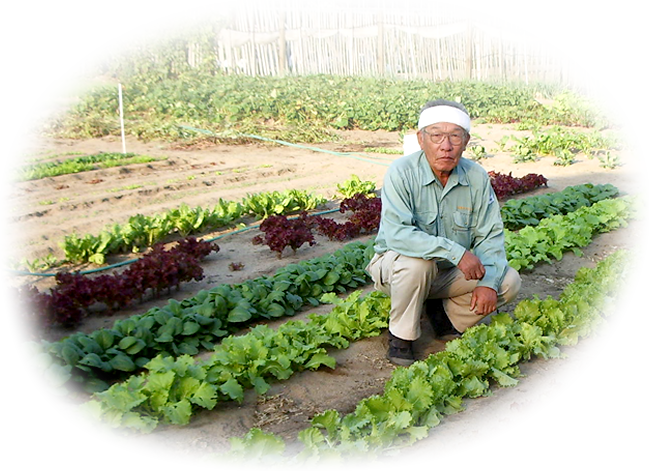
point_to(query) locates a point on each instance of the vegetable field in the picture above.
(248, 326)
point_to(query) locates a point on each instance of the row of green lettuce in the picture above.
(83, 163)
(558, 234)
(142, 231)
(415, 399)
(194, 324)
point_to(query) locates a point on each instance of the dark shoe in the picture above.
(450, 334)
(440, 322)
(400, 351)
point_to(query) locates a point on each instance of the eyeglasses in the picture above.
(436, 137)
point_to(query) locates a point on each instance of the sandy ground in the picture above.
(44, 211)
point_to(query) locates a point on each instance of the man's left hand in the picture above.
(484, 300)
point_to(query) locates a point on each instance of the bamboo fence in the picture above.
(395, 43)
(594, 50)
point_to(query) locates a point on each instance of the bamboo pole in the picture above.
(565, 71)
(501, 46)
(380, 43)
(282, 45)
(468, 60)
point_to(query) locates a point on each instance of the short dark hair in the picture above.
(442, 102)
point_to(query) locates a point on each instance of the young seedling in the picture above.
(477, 153)
(610, 161)
(565, 157)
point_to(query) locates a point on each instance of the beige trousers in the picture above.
(410, 281)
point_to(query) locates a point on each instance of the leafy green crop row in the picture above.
(357, 102)
(518, 213)
(308, 107)
(556, 235)
(196, 323)
(172, 389)
(416, 398)
(80, 164)
(560, 142)
(144, 231)
(297, 109)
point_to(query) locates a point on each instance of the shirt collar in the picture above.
(458, 175)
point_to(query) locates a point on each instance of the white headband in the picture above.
(444, 114)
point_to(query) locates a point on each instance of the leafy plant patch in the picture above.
(69, 302)
(80, 164)
(144, 231)
(196, 323)
(555, 235)
(173, 389)
(416, 398)
(518, 213)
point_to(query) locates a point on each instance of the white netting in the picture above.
(545, 5)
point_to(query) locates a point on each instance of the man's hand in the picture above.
(471, 266)
(484, 300)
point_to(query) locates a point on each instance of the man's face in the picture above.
(443, 144)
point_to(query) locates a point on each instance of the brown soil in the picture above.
(44, 211)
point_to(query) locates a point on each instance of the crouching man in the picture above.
(441, 235)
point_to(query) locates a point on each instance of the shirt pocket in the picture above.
(463, 221)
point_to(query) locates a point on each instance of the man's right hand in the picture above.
(471, 266)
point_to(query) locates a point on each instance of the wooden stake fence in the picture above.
(385, 42)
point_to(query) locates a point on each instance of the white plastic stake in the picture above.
(121, 117)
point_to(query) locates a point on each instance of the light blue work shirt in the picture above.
(420, 218)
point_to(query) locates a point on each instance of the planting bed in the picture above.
(46, 210)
